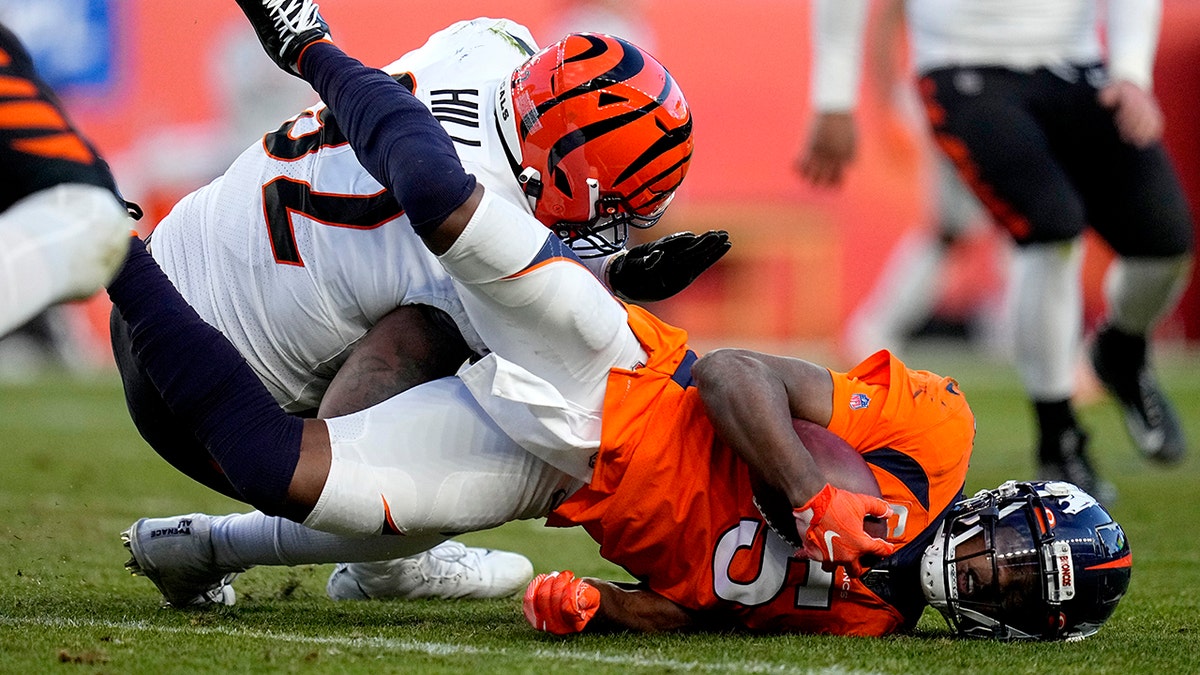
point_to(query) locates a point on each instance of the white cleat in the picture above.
(176, 554)
(449, 570)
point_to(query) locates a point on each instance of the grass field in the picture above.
(73, 473)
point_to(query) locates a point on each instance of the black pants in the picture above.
(1046, 159)
(169, 436)
(38, 146)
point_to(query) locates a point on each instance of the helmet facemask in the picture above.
(1027, 561)
(599, 137)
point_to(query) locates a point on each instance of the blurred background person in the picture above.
(64, 229)
(1054, 133)
(42, 150)
(904, 301)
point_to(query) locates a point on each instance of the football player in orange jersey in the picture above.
(63, 226)
(653, 450)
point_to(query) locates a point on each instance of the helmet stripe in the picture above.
(577, 138)
(659, 195)
(671, 139)
(1124, 561)
(627, 68)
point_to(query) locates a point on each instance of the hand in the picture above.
(559, 603)
(1137, 115)
(662, 268)
(831, 524)
(831, 148)
(285, 28)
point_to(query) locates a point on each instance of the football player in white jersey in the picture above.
(312, 270)
(572, 354)
(1055, 132)
(63, 225)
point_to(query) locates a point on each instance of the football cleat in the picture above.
(449, 570)
(1073, 465)
(285, 28)
(1119, 360)
(599, 137)
(176, 554)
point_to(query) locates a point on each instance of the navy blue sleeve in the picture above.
(206, 382)
(394, 135)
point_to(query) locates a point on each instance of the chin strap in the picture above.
(530, 180)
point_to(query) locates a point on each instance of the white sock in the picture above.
(1140, 291)
(243, 540)
(1048, 317)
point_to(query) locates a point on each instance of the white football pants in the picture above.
(513, 434)
(61, 243)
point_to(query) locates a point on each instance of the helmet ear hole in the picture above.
(562, 182)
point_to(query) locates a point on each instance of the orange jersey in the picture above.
(673, 505)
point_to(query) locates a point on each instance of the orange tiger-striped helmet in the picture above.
(599, 135)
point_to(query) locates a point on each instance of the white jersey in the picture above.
(1015, 34)
(296, 251)
(1025, 34)
(1020, 34)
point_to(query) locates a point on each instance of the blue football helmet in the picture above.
(1036, 560)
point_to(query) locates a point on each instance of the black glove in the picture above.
(285, 28)
(662, 268)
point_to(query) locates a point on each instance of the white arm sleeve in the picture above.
(837, 38)
(598, 266)
(1133, 39)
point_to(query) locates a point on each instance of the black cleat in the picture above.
(1119, 360)
(1072, 465)
(285, 28)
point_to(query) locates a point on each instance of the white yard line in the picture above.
(431, 648)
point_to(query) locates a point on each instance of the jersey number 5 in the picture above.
(777, 555)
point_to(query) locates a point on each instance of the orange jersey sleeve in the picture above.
(914, 429)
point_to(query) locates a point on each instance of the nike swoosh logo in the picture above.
(829, 542)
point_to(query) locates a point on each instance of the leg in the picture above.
(168, 435)
(430, 460)
(61, 243)
(194, 558)
(454, 472)
(63, 231)
(274, 461)
(1005, 156)
(1137, 205)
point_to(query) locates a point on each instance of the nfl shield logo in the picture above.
(859, 401)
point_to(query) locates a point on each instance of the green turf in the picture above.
(73, 473)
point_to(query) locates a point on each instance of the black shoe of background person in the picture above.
(1071, 464)
(1120, 362)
